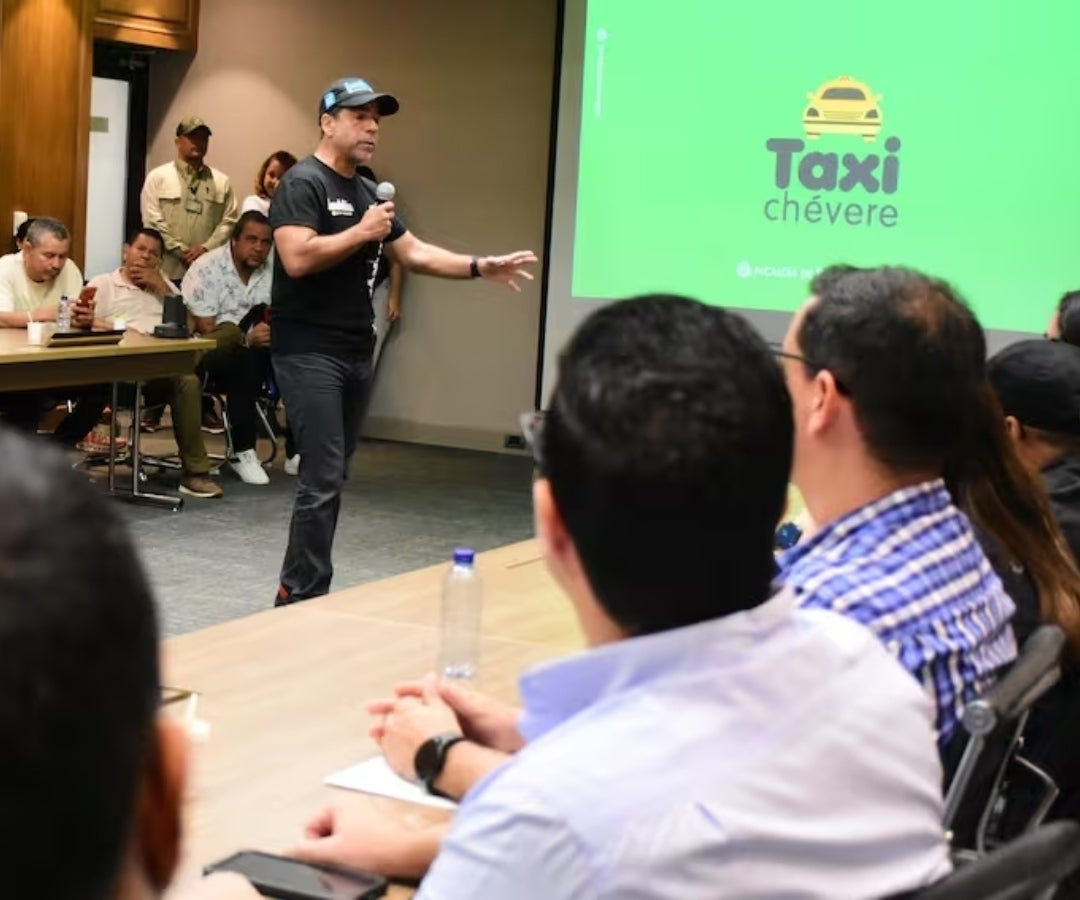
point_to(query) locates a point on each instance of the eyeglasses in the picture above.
(532, 429)
(778, 350)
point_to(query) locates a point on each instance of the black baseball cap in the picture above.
(1038, 382)
(352, 92)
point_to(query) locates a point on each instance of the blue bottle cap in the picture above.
(463, 556)
(787, 536)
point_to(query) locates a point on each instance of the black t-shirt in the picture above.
(1052, 734)
(330, 311)
(1062, 480)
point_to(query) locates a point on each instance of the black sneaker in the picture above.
(150, 422)
(211, 422)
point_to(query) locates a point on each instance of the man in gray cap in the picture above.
(191, 204)
(1038, 384)
(330, 229)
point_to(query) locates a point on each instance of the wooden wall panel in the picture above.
(46, 64)
(165, 24)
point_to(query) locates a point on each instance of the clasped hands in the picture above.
(420, 710)
(352, 832)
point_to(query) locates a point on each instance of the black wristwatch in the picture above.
(431, 757)
(474, 267)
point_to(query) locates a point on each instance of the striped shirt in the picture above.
(909, 568)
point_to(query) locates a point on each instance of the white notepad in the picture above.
(374, 776)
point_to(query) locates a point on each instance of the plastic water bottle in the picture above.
(462, 601)
(63, 314)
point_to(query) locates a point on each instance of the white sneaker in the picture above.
(292, 465)
(247, 466)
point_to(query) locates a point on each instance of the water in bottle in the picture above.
(63, 314)
(462, 600)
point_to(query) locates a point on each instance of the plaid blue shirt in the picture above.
(909, 568)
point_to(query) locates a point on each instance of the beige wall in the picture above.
(468, 153)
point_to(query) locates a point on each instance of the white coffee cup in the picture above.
(39, 332)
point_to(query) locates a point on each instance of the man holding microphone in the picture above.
(329, 230)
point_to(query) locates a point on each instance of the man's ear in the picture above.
(550, 531)
(825, 402)
(555, 541)
(161, 797)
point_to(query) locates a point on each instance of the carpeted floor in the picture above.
(406, 506)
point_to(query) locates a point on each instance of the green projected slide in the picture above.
(730, 150)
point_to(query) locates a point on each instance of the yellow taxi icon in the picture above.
(843, 106)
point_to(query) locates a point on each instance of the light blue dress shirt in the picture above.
(777, 753)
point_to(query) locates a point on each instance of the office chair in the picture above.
(265, 414)
(1029, 868)
(127, 403)
(265, 419)
(995, 725)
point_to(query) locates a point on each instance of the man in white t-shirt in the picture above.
(134, 295)
(32, 282)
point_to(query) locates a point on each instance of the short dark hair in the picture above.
(151, 233)
(44, 225)
(668, 446)
(20, 232)
(78, 676)
(908, 351)
(1069, 317)
(252, 215)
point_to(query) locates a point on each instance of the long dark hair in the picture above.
(1006, 501)
(284, 157)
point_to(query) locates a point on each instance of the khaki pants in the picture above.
(183, 393)
(227, 336)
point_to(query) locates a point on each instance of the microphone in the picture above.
(384, 193)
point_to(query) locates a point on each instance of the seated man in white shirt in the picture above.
(134, 295)
(228, 293)
(32, 282)
(714, 741)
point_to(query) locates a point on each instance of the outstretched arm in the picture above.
(428, 259)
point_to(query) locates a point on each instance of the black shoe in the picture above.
(211, 422)
(150, 422)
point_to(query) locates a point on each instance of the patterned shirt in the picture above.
(908, 567)
(212, 287)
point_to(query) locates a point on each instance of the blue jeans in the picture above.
(325, 398)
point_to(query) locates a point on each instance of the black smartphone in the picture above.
(290, 879)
